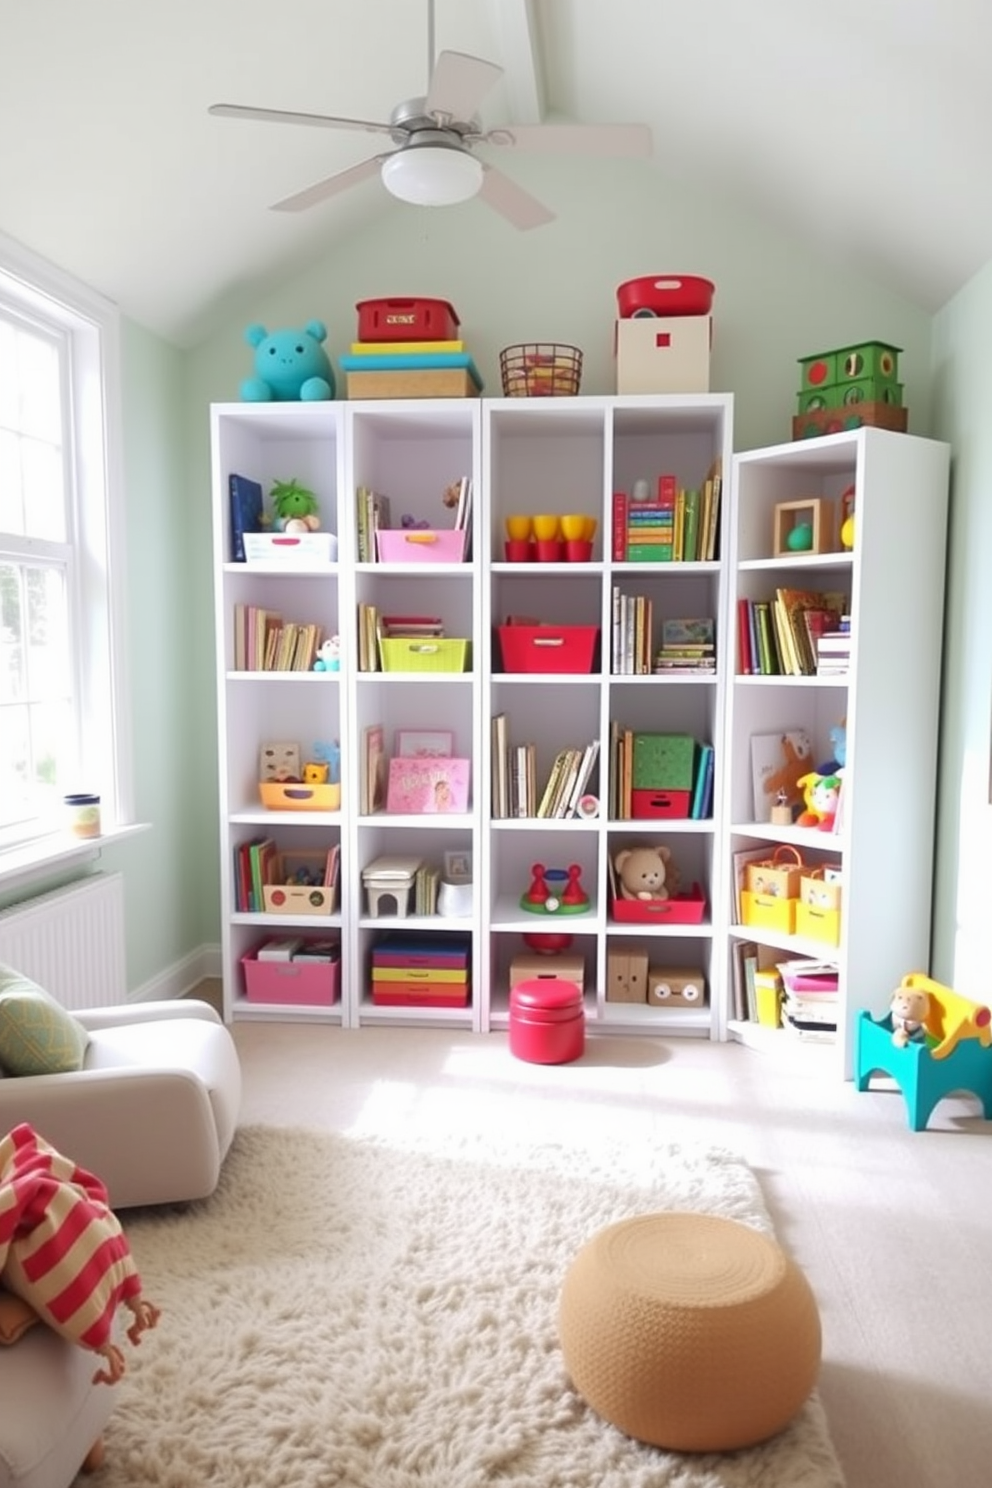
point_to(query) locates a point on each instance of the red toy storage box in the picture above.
(652, 803)
(548, 648)
(406, 320)
(665, 294)
(681, 909)
(292, 983)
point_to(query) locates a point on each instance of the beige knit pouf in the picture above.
(689, 1332)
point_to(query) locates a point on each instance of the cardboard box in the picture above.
(669, 355)
(627, 974)
(563, 966)
(676, 986)
(430, 382)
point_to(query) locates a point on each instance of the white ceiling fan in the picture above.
(434, 163)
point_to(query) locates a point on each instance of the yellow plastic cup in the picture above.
(573, 526)
(518, 528)
(546, 528)
(590, 528)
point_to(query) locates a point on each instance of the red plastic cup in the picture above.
(578, 550)
(517, 550)
(549, 550)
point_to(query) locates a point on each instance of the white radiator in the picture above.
(71, 941)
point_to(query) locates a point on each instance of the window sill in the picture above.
(48, 855)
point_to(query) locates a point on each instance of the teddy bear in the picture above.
(643, 872)
(908, 1011)
(290, 365)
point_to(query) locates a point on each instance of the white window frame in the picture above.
(91, 325)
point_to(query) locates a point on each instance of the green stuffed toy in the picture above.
(290, 365)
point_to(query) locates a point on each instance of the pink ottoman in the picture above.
(547, 1021)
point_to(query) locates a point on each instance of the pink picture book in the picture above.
(422, 786)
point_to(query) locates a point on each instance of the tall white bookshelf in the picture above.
(561, 456)
(888, 700)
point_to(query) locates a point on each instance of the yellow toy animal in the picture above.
(316, 773)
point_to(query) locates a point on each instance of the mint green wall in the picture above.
(168, 657)
(774, 303)
(963, 386)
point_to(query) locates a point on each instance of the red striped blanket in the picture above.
(62, 1248)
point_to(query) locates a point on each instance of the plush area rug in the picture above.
(347, 1313)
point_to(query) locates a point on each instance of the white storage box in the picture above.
(291, 548)
(671, 355)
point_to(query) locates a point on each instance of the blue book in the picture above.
(703, 789)
(396, 361)
(246, 513)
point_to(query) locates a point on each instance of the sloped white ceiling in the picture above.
(866, 127)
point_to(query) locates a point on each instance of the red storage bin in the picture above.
(681, 909)
(652, 803)
(548, 648)
(406, 320)
(666, 294)
(547, 1021)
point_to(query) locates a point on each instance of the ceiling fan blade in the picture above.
(284, 116)
(512, 201)
(322, 190)
(458, 85)
(592, 140)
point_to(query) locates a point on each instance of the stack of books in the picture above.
(809, 1008)
(833, 650)
(688, 647)
(410, 369)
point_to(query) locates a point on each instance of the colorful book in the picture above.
(389, 348)
(247, 507)
(426, 787)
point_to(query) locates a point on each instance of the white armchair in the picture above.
(154, 1108)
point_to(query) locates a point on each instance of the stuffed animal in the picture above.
(908, 1011)
(290, 366)
(329, 655)
(643, 872)
(822, 797)
(63, 1251)
(295, 507)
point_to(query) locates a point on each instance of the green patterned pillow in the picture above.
(37, 1035)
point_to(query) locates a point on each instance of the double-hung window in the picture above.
(61, 590)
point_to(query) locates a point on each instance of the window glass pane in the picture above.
(47, 634)
(9, 399)
(12, 659)
(53, 762)
(41, 394)
(44, 499)
(16, 798)
(11, 507)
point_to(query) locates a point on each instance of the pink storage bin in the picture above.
(293, 983)
(420, 545)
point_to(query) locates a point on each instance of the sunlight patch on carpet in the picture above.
(350, 1313)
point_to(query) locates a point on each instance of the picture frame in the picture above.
(424, 744)
(458, 867)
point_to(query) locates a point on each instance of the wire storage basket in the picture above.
(540, 369)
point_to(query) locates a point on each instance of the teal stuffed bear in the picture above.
(290, 366)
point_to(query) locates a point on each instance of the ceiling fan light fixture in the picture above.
(432, 175)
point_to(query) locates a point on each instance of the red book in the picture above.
(668, 488)
(745, 659)
(619, 526)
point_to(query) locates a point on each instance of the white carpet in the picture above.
(344, 1313)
